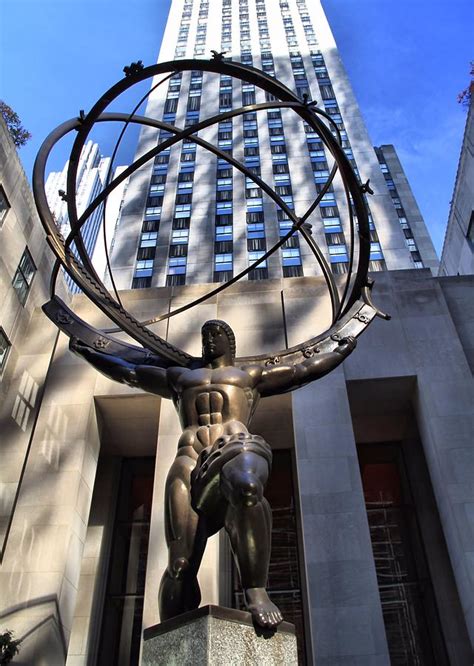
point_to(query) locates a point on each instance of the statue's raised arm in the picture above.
(150, 378)
(283, 378)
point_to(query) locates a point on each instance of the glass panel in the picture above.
(123, 606)
(403, 577)
(4, 347)
(24, 276)
(4, 205)
(20, 286)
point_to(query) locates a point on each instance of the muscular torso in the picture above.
(212, 403)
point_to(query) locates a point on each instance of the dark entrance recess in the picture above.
(284, 578)
(411, 619)
(123, 607)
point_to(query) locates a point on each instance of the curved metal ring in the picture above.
(88, 280)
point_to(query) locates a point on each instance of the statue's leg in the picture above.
(179, 588)
(248, 523)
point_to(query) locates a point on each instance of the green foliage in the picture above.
(8, 647)
(465, 95)
(17, 132)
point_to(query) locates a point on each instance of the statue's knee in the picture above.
(178, 567)
(244, 490)
(251, 492)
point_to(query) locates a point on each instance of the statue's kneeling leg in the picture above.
(179, 589)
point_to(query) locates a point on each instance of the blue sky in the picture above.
(407, 61)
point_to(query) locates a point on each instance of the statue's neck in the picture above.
(220, 362)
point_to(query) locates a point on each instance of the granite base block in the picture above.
(212, 636)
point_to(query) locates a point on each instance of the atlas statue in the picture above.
(218, 477)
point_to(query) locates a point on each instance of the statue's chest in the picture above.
(209, 379)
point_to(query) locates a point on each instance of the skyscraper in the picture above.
(190, 217)
(92, 176)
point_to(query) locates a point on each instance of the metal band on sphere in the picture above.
(352, 309)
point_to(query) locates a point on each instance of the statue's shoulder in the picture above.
(176, 371)
(253, 370)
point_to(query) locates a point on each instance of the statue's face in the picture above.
(215, 342)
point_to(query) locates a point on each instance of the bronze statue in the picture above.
(220, 470)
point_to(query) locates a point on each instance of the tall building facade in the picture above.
(191, 218)
(457, 257)
(417, 238)
(92, 175)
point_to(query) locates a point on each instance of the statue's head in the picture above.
(218, 340)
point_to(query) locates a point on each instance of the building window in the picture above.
(256, 243)
(225, 100)
(177, 265)
(171, 105)
(146, 252)
(340, 267)
(162, 159)
(292, 271)
(338, 253)
(290, 256)
(224, 233)
(175, 280)
(4, 349)
(470, 230)
(329, 211)
(150, 225)
(375, 251)
(255, 230)
(379, 265)
(182, 211)
(255, 256)
(223, 262)
(223, 207)
(178, 250)
(148, 239)
(141, 282)
(4, 205)
(223, 183)
(184, 198)
(144, 268)
(194, 104)
(255, 205)
(24, 276)
(153, 211)
(278, 149)
(248, 97)
(258, 274)
(180, 236)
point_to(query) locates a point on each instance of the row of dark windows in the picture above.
(22, 281)
(407, 231)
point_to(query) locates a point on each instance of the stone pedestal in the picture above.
(212, 636)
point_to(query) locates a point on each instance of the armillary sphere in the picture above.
(352, 307)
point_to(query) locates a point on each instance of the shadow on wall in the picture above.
(42, 638)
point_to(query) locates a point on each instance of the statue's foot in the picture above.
(264, 612)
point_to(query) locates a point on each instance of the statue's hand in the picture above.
(346, 345)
